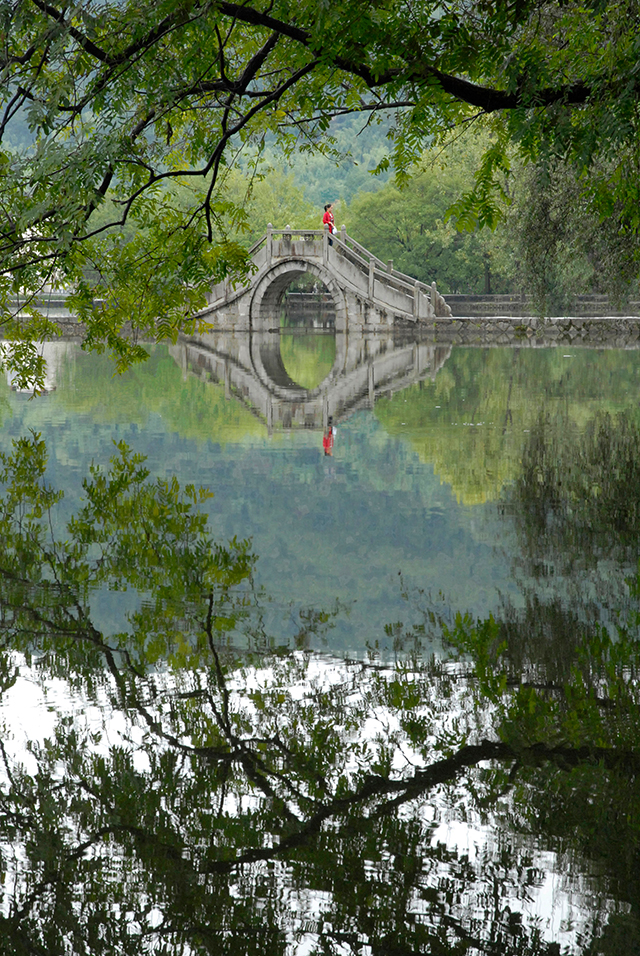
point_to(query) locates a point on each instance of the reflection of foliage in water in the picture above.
(574, 728)
(576, 511)
(579, 494)
(472, 422)
(194, 408)
(260, 482)
(260, 796)
(308, 359)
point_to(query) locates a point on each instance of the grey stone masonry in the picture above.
(531, 332)
(366, 366)
(368, 294)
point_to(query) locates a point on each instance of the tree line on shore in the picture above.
(550, 242)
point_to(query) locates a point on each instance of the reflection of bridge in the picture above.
(251, 367)
(56, 355)
(368, 295)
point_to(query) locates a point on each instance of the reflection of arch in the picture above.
(365, 368)
(265, 302)
(267, 361)
(271, 356)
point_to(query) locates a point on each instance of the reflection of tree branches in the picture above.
(356, 814)
(265, 759)
(581, 491)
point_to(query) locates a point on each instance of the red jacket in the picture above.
(327, 441)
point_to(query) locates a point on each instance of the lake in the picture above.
(402, 719)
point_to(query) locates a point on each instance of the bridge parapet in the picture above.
(368, 292)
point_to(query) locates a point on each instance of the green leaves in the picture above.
(106, 112)
(484, 204)
(431, 233)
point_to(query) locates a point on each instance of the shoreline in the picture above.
(601, 331)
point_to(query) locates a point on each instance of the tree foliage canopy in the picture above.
(411, 225)
(122, 101)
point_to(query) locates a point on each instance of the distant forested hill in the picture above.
(324, 179)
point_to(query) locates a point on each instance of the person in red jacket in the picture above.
(328, 219)
(328, 437)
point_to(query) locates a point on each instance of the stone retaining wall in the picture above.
(577, 331)
(605, 331)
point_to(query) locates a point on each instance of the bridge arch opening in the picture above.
(307, 331)
(306, 303)
(298, 294)
(301, 310)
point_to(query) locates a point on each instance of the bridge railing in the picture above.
(353, 250)
(308, 235)
(257, 246)
(289, 233)
(403, 281)
(412, 288)
(383, 282)
(354, 256)
(364, 254)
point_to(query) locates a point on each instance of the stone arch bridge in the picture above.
(368, 295)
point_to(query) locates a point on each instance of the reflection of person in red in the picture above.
(328, 437)
(328, 220)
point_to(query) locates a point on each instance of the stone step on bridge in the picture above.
(368, 294)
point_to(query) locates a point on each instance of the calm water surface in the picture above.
(418, 486)
(495, 483)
